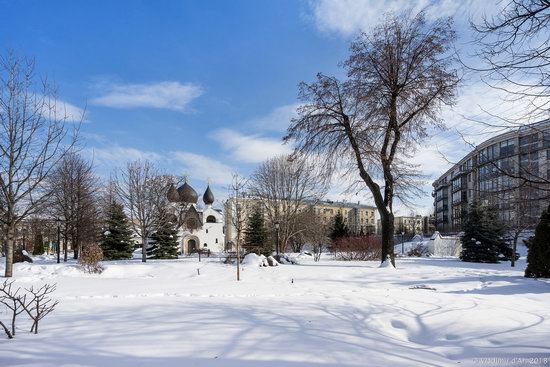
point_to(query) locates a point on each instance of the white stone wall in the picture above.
(211, 234)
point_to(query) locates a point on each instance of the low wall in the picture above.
(444, 246)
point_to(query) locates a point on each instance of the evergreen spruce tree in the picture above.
(38, 248)
(166, 240)
(538, 257)
(117, 243)
(483, 233)
(256, 236)
(339, 228)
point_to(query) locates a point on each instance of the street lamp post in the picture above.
(402, 244)
(277, 240)
(58, 246)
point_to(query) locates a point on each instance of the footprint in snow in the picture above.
(398, 324)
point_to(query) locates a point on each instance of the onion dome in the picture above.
(192, 219)
(172, 194)
(187, 194)
(208, 196)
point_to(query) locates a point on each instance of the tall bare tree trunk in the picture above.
(143, 249)
(387, 222)
(10, 250)
(238, 257)
(514, 248)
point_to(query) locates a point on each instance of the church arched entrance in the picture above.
(190, 244)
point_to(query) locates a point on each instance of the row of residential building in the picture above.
(494, 173)
(509, 173)
(359, 218)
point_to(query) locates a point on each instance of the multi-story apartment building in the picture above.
(408, 225)
(358, 217)
(492, 173)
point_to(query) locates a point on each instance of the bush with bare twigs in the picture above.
(35, 302)
(90, 258)
(357, 248)
(418, 251)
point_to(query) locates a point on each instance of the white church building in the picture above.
(203, 228)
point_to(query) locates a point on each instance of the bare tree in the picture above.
(315, 232)
(14, 301)
(236, 209)
(515, 54)
(39, 304)
(399, 77)
(286, 186)
(514, 50)
(74, 200)
(142, 190)
(34, 136)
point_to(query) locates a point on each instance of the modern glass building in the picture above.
(509, 173)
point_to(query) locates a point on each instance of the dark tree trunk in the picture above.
(514, 248)
(65, 249)
(387, 223)
(143, 249)
(6, 330)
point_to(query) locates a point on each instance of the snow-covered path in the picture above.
(328, 314)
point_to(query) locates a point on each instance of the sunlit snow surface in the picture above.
(427, 312)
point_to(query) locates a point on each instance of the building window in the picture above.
(529, 162)
(216, 240)
(529, 143)
(546, 139)
(507, 147)
(506, 165)
(488, 153)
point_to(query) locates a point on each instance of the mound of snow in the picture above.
(254, 260)
(272, 261)
(387, 264)
(121, 271)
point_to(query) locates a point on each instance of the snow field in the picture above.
(331, 313)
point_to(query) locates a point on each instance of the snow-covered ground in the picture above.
(331, 313)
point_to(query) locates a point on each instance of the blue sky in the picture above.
(204, 88)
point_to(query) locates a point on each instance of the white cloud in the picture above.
(347, 17)
(277, 120)
(117, 156)
(195, 166)
(201, 167)
(169, 95)
(249, 148)
(70, 112)
(60, 110)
